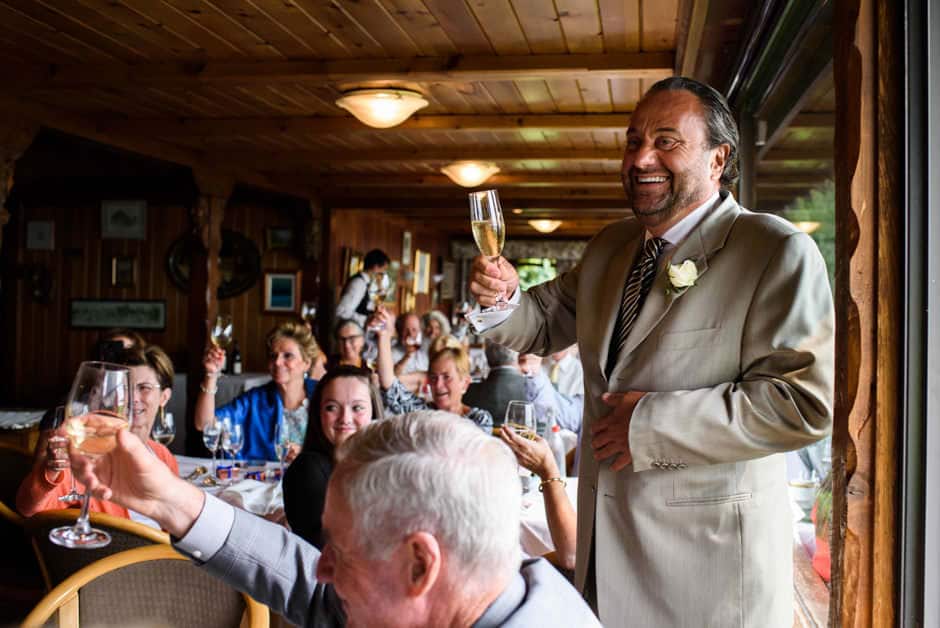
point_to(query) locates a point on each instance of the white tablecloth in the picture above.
(534, 536)
(261, 498)
(19, 419)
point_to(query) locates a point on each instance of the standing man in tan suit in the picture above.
(706, 337)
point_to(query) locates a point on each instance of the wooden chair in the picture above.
(15, 465)
(58, 563)
(148, 585)
(21, 584)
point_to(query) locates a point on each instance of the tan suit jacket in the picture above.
(738, 368)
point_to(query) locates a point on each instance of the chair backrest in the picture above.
(58, 563)
(15, 465)
(148, 585)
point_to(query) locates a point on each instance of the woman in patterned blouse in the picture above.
(448, 377)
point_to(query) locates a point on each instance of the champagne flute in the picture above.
(164, 429)
(98, 407)
(489, 232)
(61, 442)
(210, 438)
(520, 416)
(282, 441)
(221, 332)
(233, 438)
(378, 289)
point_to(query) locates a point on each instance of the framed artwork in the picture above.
(422, 281)
(393, 271)
(406, 248)
(281, 291)
(125, 220)
(40, 235)
(278, 238)
(123, 271)
(449, 281)
(101, 314)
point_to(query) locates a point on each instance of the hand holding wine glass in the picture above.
(98, 407)
(220, 334)
(489, 232)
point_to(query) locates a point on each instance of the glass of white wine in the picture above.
(221, 333)
(489, 231)
(98, 407)
(164, 429)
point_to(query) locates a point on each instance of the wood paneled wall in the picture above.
(363, 230)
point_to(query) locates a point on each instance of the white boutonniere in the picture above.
(682, 276)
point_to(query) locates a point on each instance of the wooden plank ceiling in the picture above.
(541, 87)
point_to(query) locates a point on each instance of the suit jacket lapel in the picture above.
(707, 238)
(608, 309)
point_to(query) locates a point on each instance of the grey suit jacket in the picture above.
(493, 394)
(737, 368)
(278, 569)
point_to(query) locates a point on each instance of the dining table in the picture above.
(266, 499)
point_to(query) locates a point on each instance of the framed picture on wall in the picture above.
(100, 314)
(123, 271)
(422, 272)
(352, 263)
(281, 291)
(449, 280)
(125, 220)
(278, 238)
(40, 235)
(406, 248)
(393, 271)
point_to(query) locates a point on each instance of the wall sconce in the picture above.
(545, 226)
(470, 174)
(381, 108)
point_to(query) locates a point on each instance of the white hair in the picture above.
(435, 472)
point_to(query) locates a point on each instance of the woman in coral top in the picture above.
(152, 379)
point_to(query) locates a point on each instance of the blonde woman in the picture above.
(448, 378)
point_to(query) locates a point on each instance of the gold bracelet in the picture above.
(549, 481)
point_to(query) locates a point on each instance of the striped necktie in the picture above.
(638, 285)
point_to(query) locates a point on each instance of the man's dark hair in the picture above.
(719, 121)
(498, 355)
(374, 259)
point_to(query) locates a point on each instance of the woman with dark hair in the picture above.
(342, 404)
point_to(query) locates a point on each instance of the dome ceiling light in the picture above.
(545, 226)
(470, 174)
(381, 108)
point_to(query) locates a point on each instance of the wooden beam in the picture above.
(325, 157)
(819, 153)
(460, 194)
(793, 104)
(416, 202)
(692, 14)
(628, 65)
(813, 120)
(228, 127)
(411, 180)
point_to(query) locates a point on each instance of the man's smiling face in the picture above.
(668, 169)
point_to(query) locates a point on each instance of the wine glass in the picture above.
(61, 442)
(378, 289)
(98, 407)
(210, 438)
(520, 416)
(282, 441)
(489, 231)
(164, 429)
(233, 438)
(221, 332)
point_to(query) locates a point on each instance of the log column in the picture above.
(204, 279)
(869, 257)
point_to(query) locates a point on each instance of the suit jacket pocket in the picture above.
(710, 501)
(682, 340)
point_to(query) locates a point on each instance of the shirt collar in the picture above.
(684, 227)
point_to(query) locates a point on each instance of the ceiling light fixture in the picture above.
(517, 210)
(381, 108)
(545, 226)
(470, 174)
(807, 226)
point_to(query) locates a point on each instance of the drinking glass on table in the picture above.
(489, 232)
(233, 438)
(282, 441)
(98, 406)
(210, 438)
(164, 429)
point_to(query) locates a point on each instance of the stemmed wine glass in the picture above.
(489, 232)
(164, 429)
(233, 438)
(61, 442)
(98, 407)
(520, 416)
(378, 289)
(282, 441)
(210, 438)
(221, 332)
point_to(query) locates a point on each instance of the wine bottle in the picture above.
(236, 360)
